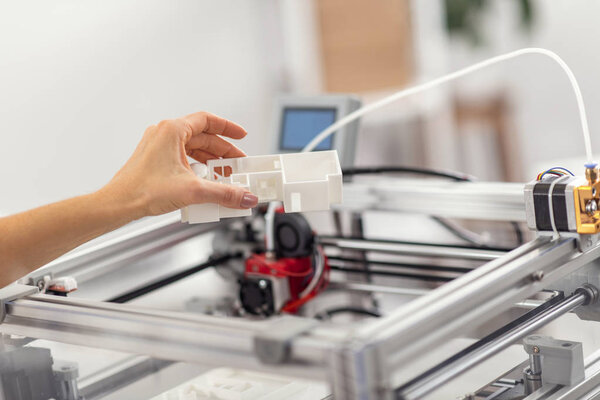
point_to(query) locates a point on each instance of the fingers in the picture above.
(225, 195)
(214, 145)
(204, 143)
(201, 155)
(203, 122)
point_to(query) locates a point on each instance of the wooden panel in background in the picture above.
(366, 45)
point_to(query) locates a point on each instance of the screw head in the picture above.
(591, 207)
(537, 276)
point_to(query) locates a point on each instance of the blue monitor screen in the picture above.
(301, 125)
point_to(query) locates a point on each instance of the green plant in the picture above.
(464, 17)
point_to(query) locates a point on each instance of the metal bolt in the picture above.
(537, 276)
(536, 349)
(591, 207)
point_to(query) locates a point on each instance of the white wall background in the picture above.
(81, 80)
(547, 128)
(545, 105)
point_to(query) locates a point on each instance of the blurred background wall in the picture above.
(81, 80)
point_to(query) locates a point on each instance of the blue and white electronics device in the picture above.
(300, 118)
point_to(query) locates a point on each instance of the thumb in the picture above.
(226, 195)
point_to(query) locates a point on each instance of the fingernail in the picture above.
(249, 200)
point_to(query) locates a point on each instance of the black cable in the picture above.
(402, 242)
(456, 176)
(456, 232)
(518, 233)
(461, 235)
(358, 230)
(428, 267)
(135, 293)
(391, 274)
(347, 309)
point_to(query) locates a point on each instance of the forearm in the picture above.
(33, 238)
(157, 179)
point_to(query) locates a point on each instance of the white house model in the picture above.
(309, 181)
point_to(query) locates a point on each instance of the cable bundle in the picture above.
(555, 171)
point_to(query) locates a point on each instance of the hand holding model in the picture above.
(156, 179)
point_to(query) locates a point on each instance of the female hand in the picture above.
(158, 179)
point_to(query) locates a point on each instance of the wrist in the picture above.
(119, 204)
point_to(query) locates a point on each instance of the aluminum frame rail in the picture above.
(493, 201)
(129, 244)
(378, 357)
(200, 339)
(366, 363)
(436, 378)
